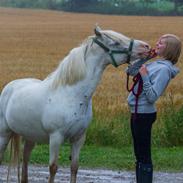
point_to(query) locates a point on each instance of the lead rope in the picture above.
(136, 79)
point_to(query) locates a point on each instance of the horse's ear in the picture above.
(97, 31)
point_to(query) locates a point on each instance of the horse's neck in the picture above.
(84, 89)
(95, 68)
(95, 65)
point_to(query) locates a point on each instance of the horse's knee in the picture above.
(53, 169)
(74, 167)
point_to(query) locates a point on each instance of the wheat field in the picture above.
(33, 42)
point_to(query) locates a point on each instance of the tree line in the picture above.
(127, 7)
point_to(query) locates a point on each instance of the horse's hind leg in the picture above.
(4, 140)
(28, 147)
(5, 135)
(76, 147)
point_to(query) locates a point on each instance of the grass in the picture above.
(165, 159)
(118, 158)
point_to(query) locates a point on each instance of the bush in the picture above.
(173, 121)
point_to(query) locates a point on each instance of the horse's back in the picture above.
(11, 88)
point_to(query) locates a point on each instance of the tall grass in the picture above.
(114, 130)
(173, 123)
(109, 131)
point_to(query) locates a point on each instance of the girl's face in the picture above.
(160, 47)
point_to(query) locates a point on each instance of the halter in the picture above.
(111, 52)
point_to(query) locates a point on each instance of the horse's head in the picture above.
(120, 48)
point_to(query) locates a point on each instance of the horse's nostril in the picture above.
(147, 46)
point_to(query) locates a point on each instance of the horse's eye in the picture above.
(115, 44)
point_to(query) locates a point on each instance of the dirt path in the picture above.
(39, 174)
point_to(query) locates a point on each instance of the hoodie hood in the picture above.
(173, 69)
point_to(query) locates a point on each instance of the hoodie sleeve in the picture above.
(153, 89)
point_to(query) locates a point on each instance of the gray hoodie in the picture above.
(159, 75)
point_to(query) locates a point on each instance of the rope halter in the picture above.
(112, 52)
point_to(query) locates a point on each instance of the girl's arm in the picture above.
(153, 89)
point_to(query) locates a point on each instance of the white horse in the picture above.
(60, 106)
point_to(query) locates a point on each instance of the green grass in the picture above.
(165, 159)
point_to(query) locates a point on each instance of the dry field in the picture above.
(33, 42)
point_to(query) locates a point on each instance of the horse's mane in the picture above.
(73, 67)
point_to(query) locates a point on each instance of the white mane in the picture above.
(73, 68)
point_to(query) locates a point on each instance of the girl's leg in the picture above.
(141, 127)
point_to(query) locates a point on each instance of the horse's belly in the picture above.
(34, 137)
(30, 131)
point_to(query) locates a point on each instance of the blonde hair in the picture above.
(173, 47)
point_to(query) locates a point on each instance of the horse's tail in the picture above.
(14, 155)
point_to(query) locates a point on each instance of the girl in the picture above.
(155, 78)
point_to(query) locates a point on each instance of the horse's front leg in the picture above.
(76, 147)
(55, 140)
(28, 147)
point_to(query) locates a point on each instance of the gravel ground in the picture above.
(39, 174)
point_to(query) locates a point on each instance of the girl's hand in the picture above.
(143, 70)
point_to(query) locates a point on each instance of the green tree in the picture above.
(50, 4)
(177, 4)
(146, 2)
(81, 3)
